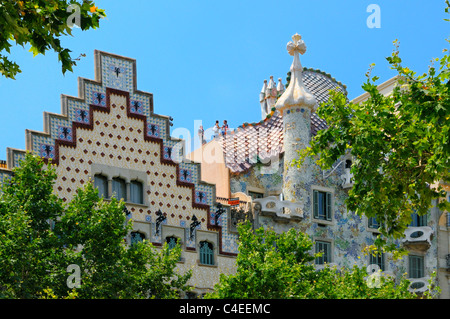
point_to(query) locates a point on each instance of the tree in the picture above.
(41, 24)
(40, 237)
(281, 266)
(400, 144)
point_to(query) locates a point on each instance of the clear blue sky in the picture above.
(207, 60)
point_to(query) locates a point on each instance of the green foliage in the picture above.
(281, 266)
(400, 144)
(40, 237)
(29, 249)
(41, 24)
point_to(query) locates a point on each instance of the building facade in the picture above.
(111, 136)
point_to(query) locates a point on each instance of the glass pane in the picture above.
(328, 206)
(137, 237)
(136, 192)
(171, 242)
(101, 183)
(321, 199)
(206, 253)
(416, 264)
(325, 248)
(119, 188)
(316, 204)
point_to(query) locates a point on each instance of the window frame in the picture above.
(208, 259)
(379, 259)
(418, 221)
(326, 258)
(258, 194)
(134, 232)
(415, 269)
(104, 179)
(139, 193)
(126, 174)
(123, 187)
(328, 205)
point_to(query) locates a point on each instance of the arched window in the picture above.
(136, 237)
(348, 164)
(136, 192)
(101, 183)
(171, 242)
(119, 188)
(206, 253)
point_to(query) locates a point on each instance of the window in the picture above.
(136, 192)
(416, 266)
(322, 205)
(171, 242)
(101, 183)
(255, 195)
(325, 248)
(137, 237)
(418, 221)
(373, 223)
(378, 260)
(348, 164)
(206, 253)
(119, 188)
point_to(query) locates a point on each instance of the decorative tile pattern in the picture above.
(98, 98)
(117, 73)
(82, 116)
(136, 107)
(65, 133)
(47, 151)
(185, 175)
(201, 197)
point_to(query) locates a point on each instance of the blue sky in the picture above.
(207, 60)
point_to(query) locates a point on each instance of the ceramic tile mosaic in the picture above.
(117, 73)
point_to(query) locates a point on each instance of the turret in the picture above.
(269, 94)
(262, 100)
(296, 105)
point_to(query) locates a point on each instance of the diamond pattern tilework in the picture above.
(91, 130)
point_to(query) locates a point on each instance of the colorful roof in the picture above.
(260, 141)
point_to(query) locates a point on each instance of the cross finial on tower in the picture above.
(296, 95)
(298, 45)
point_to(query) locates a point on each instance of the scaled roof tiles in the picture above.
(260, 141)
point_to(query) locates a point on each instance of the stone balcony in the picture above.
(419, 285)
(418, 238)
(347, 179)
(279, 210)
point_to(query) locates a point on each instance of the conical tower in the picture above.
(296, 105)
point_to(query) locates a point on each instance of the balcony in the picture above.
(280, 210)
(418, 285)
(418, 238)
(347, 179)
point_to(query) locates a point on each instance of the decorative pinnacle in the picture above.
(297, 46)
(296, 94)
